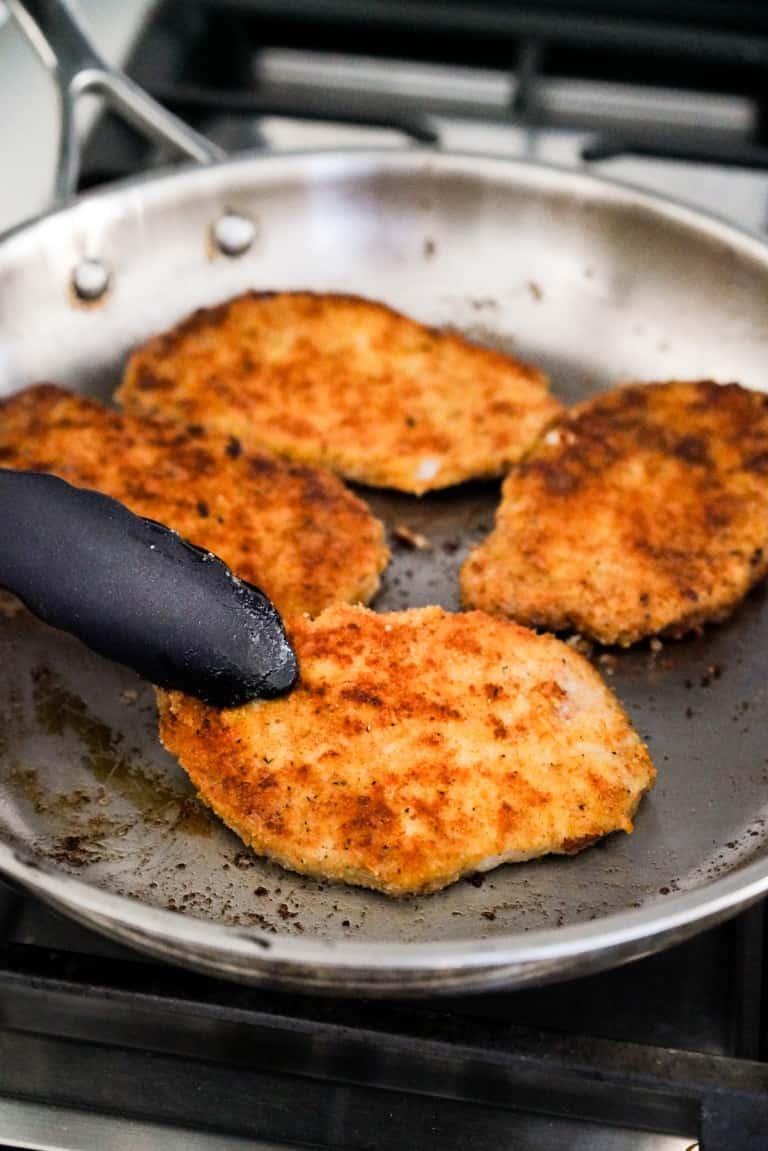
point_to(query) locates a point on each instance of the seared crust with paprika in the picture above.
(418, 746)
(643, 511)
(295, 531)
(345, 383)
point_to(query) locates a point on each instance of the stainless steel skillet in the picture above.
(594, 280)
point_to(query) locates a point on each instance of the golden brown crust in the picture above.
(295, 531)
(345, 383)
(418, 746)
(642, 511)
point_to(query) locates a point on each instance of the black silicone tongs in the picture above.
(136, 592)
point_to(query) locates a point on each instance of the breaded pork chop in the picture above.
(642, 511)
(295, 531)
(418, 746)
(345, 383)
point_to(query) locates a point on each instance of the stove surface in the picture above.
(654, 1055)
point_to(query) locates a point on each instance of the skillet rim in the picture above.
(382, 967)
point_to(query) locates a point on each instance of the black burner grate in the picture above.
(670, 1044)
(202, 60)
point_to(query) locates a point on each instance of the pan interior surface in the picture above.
(592, 281)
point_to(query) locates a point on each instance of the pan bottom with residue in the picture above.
(87, 786)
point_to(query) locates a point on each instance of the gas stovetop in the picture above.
(657, 1056)
(102, 1048)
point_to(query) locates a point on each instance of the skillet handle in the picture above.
(55, 31)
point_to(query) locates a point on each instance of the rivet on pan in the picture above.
(90, 279)
(233, 234)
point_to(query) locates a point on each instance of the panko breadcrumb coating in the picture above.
(295, 531)
(643, 511)
(417, 747)
(344, 383)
